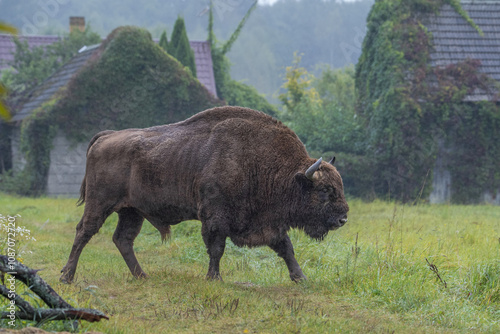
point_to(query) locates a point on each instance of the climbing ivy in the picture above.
(130, 82)
(37, 133)
(408, 106)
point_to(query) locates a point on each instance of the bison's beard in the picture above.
(316, 231)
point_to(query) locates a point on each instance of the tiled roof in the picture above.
(202, 56)
(49, 87)
(455, 40)
(204, 66)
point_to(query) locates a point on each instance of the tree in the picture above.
(179, 46)
(31, 66)
(164, 41)
(321, 111)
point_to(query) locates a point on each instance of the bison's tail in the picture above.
(81, 200)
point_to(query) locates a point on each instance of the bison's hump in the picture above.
(220, 114)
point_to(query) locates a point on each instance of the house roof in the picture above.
(455, 40)
(51, 85)
(202, 58)
(204, 65)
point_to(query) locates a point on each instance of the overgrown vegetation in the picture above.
(322, 113)
(378, 261)
(406, 116)
(321, 110)
(131, 83)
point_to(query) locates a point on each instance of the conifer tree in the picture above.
(164, 41)
(179, 46)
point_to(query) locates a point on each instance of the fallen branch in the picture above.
(59, 308)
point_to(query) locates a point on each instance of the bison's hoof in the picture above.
(142, 275)
(66, 280)
(298, 278)
(215, 277)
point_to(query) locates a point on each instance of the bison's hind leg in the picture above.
(215, 241)
(129, 226)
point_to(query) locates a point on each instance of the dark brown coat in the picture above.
(239, 171)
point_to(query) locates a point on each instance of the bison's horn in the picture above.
(332, 161)
(314, 167)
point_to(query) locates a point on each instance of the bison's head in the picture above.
(322, 206)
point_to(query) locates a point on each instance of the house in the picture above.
(67, 158)
(456, 40)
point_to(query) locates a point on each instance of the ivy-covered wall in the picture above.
(408, 106)
(129, 82)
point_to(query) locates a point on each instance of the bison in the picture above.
(243, 174)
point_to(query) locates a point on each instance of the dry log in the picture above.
(59, 308)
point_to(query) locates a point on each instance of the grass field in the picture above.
(372, 275)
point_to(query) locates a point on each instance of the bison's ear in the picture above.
(313, 168)
(303, 180)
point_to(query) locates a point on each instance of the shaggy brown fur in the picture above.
(239, 171)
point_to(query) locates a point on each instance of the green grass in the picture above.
(369, 276)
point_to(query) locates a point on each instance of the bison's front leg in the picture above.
(215, 242)
(284, 249)
(88, 226)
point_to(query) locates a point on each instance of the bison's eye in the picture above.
(327, 190)
(325, 193)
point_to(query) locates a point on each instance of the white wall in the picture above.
(67, 167)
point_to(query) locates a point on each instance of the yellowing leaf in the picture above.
(7, 28)
(4, 112)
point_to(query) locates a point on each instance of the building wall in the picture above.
(441, 177)
(67, 167)
(441, 181)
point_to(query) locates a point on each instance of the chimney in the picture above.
(76, 23)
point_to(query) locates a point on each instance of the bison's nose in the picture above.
(342, 221)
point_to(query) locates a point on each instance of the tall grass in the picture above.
(392, 268)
